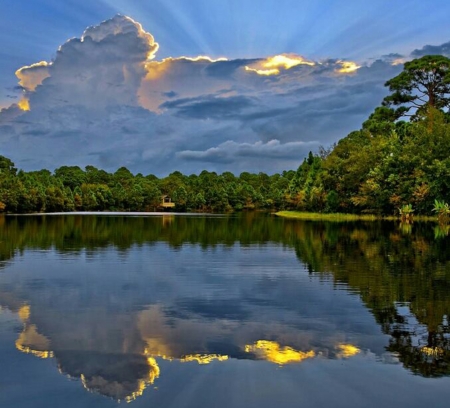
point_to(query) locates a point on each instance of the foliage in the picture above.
(71, 188)
(442, 209)
(310, 216)
(406, 211)
(424, 83)
(389, 163)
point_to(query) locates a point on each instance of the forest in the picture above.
(397, 163)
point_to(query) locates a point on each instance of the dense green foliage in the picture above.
(91, 189)
(389, 164)
(424, 82)
(386, 166)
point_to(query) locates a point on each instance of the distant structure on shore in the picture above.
(166, 202)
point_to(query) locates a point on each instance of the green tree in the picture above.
(71, 176)
(7, 166)
(381, 121)
(424, 82)
(96, 176)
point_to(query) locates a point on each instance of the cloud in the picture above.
(123, 26)
(170, 94)
(394, 58)
(276, 64)
(104, 67)
(443, 49)
(32, 76)
(228, 151)
(188, 77)
(210, 107)
(226, 69)
(108, 99)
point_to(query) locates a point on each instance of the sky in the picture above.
(188, 85)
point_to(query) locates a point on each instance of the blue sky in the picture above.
(209, 125)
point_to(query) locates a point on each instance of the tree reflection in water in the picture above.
(401, 275)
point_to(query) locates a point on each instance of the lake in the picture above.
(243, 310)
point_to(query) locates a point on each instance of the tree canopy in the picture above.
(424, 82)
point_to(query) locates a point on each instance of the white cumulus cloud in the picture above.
(105, 99)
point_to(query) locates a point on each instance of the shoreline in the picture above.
(341, 217)
(118, 213)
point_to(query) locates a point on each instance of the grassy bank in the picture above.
(344, 217)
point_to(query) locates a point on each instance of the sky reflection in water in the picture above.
(231, 311)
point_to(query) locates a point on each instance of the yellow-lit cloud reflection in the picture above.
(24, 313)
(273, 65)
(125, 372)
(154, 372)
(32, 342)
(347, 350)
(347, 67)
(273, 352)
(203, 358)
(157, 349)
(116, 390)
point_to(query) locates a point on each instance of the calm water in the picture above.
(248, 311)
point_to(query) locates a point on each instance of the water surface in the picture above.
(231, 311)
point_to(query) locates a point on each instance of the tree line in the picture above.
(70, 188)
(398, 161)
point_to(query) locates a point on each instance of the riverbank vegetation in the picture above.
(312, 216)
(397, 163)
